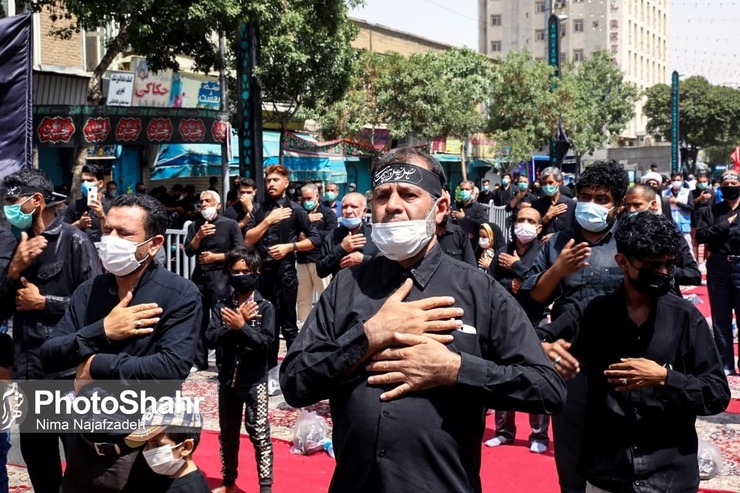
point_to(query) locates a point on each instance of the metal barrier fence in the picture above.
(501, 218)
(175, 258)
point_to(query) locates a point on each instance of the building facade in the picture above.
(634, 32)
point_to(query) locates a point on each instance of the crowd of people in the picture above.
(427, 319)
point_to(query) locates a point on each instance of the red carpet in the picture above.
(506, 469)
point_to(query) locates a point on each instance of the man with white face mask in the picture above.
(572, 266)
(210, 237)
(137, 322)
(412, 346)
(50, 261)
(510, 265)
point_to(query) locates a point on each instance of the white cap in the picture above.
(651, 176)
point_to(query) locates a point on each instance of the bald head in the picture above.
(354, 204)
(528, 214)
(641, 198)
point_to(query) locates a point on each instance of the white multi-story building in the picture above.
(635, 32)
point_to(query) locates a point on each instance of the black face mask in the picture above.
(730, 193)
(244, 283)
(652, 283)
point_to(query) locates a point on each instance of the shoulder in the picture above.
(171, 282)
(75, 234)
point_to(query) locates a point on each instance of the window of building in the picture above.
(540, 35)
(539, 7)
(495, 20)
(495, 46)
(563, 29)
(614, 36)
(577, 25)
(614, 24)
(614, 49)
(577, 55)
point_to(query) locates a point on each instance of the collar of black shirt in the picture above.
(421, 272)
(149, 271)
(53, 229)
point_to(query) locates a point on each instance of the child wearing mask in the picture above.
(241, 330)
(490, 238)
(170, 435)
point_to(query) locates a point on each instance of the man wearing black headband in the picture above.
(52, 258)
(412, 346)
(718, 227)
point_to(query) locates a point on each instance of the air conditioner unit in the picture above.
(558, 5)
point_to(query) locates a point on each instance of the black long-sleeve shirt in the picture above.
(475, 215)
(227, 236)
(332, 252)
(323, 227)
(74, 212)
(714, 229)
(7, 248)
(562, 222)
(644, 440)
(243, 352)
(519, 270)
(165, 354)
(286, 231)
(687, 272)
(428, 440)
(68, 260)
(455, 243)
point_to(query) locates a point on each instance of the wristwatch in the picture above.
(295, 247)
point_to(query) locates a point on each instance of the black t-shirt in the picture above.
(194, 482)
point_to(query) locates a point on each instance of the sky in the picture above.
(703, 37)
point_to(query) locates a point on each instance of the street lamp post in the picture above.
(675, 151)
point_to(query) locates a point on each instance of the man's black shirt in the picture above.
(323, 227)
(226, 237)
(455, 243)
(485, 197)
(428, 440)
(332, 252)
(562, 222)
(644, 440)
(714, 229)
(519, 270)
(503, 196)
(74, 212)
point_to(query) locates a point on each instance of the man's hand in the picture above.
(732, 218)
(635, 373)
(350, 260)
(572, 258)
(97, 207)
(562, 360)
(280, 250)
(126, 321)
(206, 229)
(423, 363)
(277, 215)
(507, 261)
(554, 211)
(351, 242)
(546, 237)
(29, 297)
(672, 200)
(84, 222)
(249, 310)
(83, 377)
(246, 200)
(232, 318)
(458, 214)
(25, 253)
(206, 258)
(516, 283)
(315, 216)
(435, 314)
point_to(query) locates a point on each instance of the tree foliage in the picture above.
(595, 102)
(709, 115)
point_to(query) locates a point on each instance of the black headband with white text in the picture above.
(409, 173)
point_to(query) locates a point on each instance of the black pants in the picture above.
(212, 285)
(252, 401)
(568, 431)
(506, 426)
(723, 287)
(280, 287)
(41, 453)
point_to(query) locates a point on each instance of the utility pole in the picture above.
(225, 114)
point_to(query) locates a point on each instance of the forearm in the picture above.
(546, 285)
(255, 234)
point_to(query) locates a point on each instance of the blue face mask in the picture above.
(350, 222)
(550, 190)
(18, 218)
(85, 187)
(309, 205)
(330, 196)
(465, 195)
(592, 217)
(505, 181)
(523, 186)
(484, 188)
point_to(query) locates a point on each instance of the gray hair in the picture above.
(310, 186)
(216, 196)
(551, 171)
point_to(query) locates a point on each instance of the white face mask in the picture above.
(484, 243)
(677, 184)
(209, 213)
(525, 232)
(118, 255)
(403, 239)
(162, 461)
